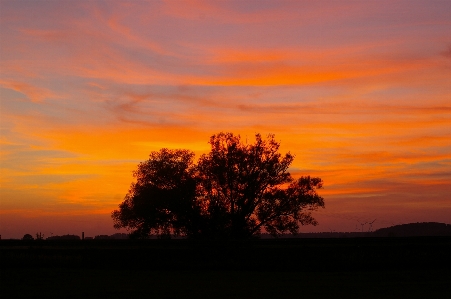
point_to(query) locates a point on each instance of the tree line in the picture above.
(236, 190)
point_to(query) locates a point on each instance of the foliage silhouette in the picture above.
(27, 237)
(234, 191)
(163, 198)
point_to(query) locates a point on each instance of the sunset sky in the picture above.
(359, 91)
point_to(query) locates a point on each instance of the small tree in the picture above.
(234, 191)
(27, 237)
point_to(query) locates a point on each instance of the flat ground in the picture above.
(329, 268)
(101, 283)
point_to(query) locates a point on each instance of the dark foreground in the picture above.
(293, 268)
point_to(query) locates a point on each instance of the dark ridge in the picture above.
(419, 229)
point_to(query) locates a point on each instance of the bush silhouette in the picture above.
(27, 237)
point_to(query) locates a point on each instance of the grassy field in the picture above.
(407, 268)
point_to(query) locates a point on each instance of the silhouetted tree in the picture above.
(234, 191)
(27, 237)
(246, 187)
(162, 200)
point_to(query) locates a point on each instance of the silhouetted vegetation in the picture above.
(27, 237)
(234, 191)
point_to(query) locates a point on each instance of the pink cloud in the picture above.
(34, 93)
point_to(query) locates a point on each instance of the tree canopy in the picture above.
(27, 237)
(234, 191)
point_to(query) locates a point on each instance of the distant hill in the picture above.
(419, 229)
(415, 230)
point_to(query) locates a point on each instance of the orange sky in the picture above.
(360, 92)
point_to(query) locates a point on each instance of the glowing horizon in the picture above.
(360, 92)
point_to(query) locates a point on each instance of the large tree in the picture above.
(163, 198)
(247, 187)
(234, 191)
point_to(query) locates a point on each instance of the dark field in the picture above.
(101, 283)
(292, 268)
